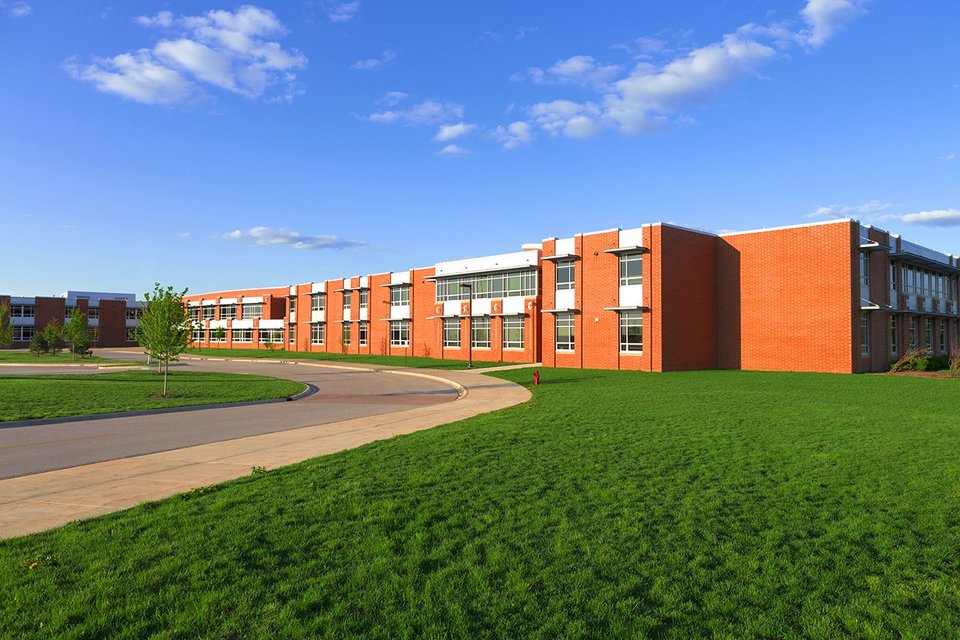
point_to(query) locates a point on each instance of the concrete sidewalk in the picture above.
(41, 501)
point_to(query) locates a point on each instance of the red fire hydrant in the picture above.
(536, 378)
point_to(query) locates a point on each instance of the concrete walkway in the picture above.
(41, 501)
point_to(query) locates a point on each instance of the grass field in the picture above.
(393, 361)
(50, 396)
(612, 505)
(20, 357)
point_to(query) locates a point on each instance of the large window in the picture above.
(399, 333)
(631, 331)
(93, 313)
(565, 275)
(400, 296)
(943, 336)
(131, 334)
(293, 304)
(208, 312)
(254, 310)
(346, 333)
(480, 333)
(22, 334)
(228, 311)
(241, 335)
(197, 334)
(317, 301)
(364, 298)
(864, 334)
(923, 282)
(631, 269)
(292, 333)
(513, 333)
(347, 300)
(565, 339)
(865, 268)
(912, 333)
(271, 335)
(133, 313)
(193, 313)
(363, 333)
(317, 333)
(21, 311)
(894, 342)
(451, 332)
(218, 335)
(928, 334)
(489, 285)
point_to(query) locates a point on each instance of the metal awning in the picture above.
(351, 289)
(519, 314)
(631, 249)
(636, 307)
(560, 311)
(563, 256)
(923, 261)
(871, 245)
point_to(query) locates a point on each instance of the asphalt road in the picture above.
(340, 395)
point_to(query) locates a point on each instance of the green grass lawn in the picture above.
(394, 361)
(20, 357)
(612, 505)
(50, 396)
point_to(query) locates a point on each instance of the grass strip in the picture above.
(393, 361)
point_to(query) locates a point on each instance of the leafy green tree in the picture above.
(37, 344)
(6, 329)
(164, 328)
(78, 333)
(218, 335)
(53, 336)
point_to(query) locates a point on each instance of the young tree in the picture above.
(53, 336)
(219, 335)
(6, 329)
(37, 344)
(78, 333)
(164, 328)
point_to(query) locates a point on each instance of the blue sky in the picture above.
(214, 146)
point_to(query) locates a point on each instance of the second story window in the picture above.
(364, 297)
(207, 312)
(252, 310)
(347, 300)
(293, 304)
(228, 311)
(631, 269)
(864, 269)
(565, 275)
(21, 311)
(400, 296)
(317, 302)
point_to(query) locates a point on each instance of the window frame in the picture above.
(480, 327)
(631, 342)
(566, 275)
(451, 326)
(565, 321)
(513, 324)
(626, 260)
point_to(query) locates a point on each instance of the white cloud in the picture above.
(848, 210)
(934, 218)
(393, 98)
(270, 237)
(514, 134)
(340, 11)
(453, 150)
(426, 113)
(237, 51)
(19, 9)
(183, 235)
(579, 70)
(453, 131)
(949, 156)
(370, 64)
(571, 119)
(826, 18)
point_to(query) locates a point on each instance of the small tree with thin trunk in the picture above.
(78, 333)
(53, 336)
(164, 328)
(6, 329)
(219, 335)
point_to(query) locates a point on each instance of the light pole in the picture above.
(469, 287)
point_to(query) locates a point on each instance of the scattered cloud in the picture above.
(339, 11)
(453, 131)
(523, 32)
(17, 9)
(514, 134)
(583, 71)
(949, 156)
(272, 237)
(236, 51)
(934, 218)
(876, 211)
(370, 64)
(849, 210)
(453, 150)
(826, 18)
(563, 117)
(426, 113)
(183, 235)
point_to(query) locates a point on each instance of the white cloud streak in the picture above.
(340, 11)
(453, 131)
(826, 18)
(934, 218)
(849, 210)
(370, 64)
(426, 113)
(453, 150)
(282, 237)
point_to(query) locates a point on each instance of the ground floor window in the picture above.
(271, 335)
(928, 334)
(565, 339)
(131, 335)
(22, 334)
(451, 332)
(864, 334)
(894, 325)
(317, 333)
(197, 335)
(399, 333)
(943, 336)
(480, 333)
(363, 331)
(292, 333)
(513, 333)
(631, 331)
(218, 335)
(912, 333)
(241, 335)
(346, 333)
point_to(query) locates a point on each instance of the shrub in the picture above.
(954, 365)
(910, 361)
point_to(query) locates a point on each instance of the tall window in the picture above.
(893, 275)
(399, 333)
(864, 334)
(631, 269)
(513, 333)
(241, 335)
(565, 275)
(489, 285)
(364, 297)
(865, 268)
(317, 331)
(252, 310)
(293, 304)
(131, 334)
(631, 331)
(894, 326)
(943, 336)
(451, 332)
(317, 301)
(292, 333)
(228, 311)
(565, 339)
(346, 333)
(197, 335)
(928, 334)
(480, 333)
(363, 330)
(208, 312)
(347, 300)
(912, 333)
(400, 296)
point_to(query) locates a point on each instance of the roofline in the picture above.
(790, 226)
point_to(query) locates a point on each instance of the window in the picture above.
(364, 298)
(317, 331)
(513, 333)
(943, 336)
(67, 312)
(362, 332)
(252, 310)
(399, 333)
(197, 335)
(480, 333)
(451, 332)
(893, 275)
(565, 340)
(928, 334)
(22, 334)
(631, 331)
(93, 313)
(21, 311)
(193, 313)
(292, 333)
(208, 312)
(317, 302)
(131, 335)
(894, 326)
(346, 333)
(631, 269)
(242, 335)
(228, 312)
(133, 313)
(400, 296)
(293, 304)
(218, 335)
(953, 335)
(864, 334)
(489, 285)
(864, 268)
(271, 335)
(565, 275)
(347, 300)
(912, 333)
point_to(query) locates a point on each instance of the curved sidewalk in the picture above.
(41, 501)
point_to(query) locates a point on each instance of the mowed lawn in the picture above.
(50, 396)
(64, 357)
(612, 505)
(356, 358)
